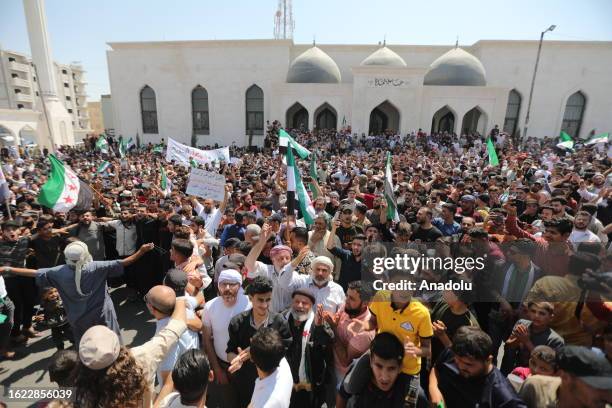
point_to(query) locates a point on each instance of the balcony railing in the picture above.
(17, 66)
(23, 83)
(22, 97)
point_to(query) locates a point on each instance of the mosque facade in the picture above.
(227, 91)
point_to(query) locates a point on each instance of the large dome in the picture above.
(456, 68)
(313, 66)
(384, 57)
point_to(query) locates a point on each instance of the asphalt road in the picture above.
(29, 367)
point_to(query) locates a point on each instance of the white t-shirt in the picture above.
(274, 391)
(217, 317)
(3, 291)
(173, 400)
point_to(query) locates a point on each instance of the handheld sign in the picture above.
(206, 184)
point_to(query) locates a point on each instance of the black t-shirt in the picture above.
(425, 235)
(48, 253)
(528, 218)
(490, 391)
(346, 235)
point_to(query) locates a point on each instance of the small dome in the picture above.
(384, 57)
(313, 66)
(456, 68)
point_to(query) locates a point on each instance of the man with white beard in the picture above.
(327, 293)
(217, 315)
(312, 336)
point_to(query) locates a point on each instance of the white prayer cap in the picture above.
(322, 260)
(230, 275)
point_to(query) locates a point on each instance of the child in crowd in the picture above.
(62, 367)
(55, 317)
(541, 362)
(528, 334)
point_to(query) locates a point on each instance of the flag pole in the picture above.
(8, 209)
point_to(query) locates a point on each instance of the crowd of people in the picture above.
(257, 304)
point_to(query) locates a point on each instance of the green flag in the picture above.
(392, 213)
(192, 162)
(158, 148)
(122, 148)
(164, 184)
(285, 140)
(102, 167)
(313, 175)
(102, 144)
(493, 160)
(297, 191)
(566, 141)
(596, 139)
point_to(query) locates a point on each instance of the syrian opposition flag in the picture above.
(596, 139)
(296, 190)
(164, 184)
(285, 140)
(102, 144)
(130, 144)
(102, 167)
(389, 196)
(122, 148)
(64, 191)
(566, 143)
(158, 149)
(493, 160)
(313, 174)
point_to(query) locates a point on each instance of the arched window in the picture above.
(254, 110)
(199, 111)
(148, 110)
(512, 112)
(574, 112)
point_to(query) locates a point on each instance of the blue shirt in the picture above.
(446, 229)
(232, 231)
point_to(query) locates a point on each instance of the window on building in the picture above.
(17, 91)
(512, 112)
(574, 112)
(11, 59)
(14, 75)
(69, 110)
(199, 111)
(34, 79)
(255, 110)
(19, 106)
(36, 93)
(66, 85)
(64, 71)
(68, 98)
(148, 109)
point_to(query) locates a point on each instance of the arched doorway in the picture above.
(475, 120)
(27, 135)
(326, 117)
(297, 117)
(443, 121)
(574, 112)
(384, 117)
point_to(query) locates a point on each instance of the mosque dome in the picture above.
(313, 66)
(456, 68)
(384, 57)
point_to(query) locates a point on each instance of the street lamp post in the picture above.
(535, 71)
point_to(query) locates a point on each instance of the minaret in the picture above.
(55, 128)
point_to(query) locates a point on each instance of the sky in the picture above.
(80, 29)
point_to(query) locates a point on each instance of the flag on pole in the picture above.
(566, 143)
(389, 195)
(493, 160)
(313, 174)
(193, 163)
(296, 190)
(158, 149)
(102, 167)
(285, 139)
(130, 144)
(596, 139)
(343, 121)
(102, 144)
(122, 148)
(4, 187)
(137, 140)
(164, 182)
(64, 191)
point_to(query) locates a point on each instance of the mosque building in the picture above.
(227, 91)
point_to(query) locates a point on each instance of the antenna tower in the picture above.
(283, 20)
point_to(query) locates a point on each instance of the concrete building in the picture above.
(41, 101)
(106, 104)
(96, 123)
(224, 90)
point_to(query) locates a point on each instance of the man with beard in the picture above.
(206, 211)
(581, 233)
(351, 343)
(281, 257)
(425, 231)
(91, 233)
(306, 355)
(319, 281)
(559, 206)
(216, 318)
(298, 239)
(464, 375)
(590, 193)
(317, 240)
(467, 208)
(351, 259)
(147, 230)
(347, 229)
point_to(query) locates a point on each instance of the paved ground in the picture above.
(29, 367)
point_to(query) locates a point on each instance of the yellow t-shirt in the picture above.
(410, 323)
